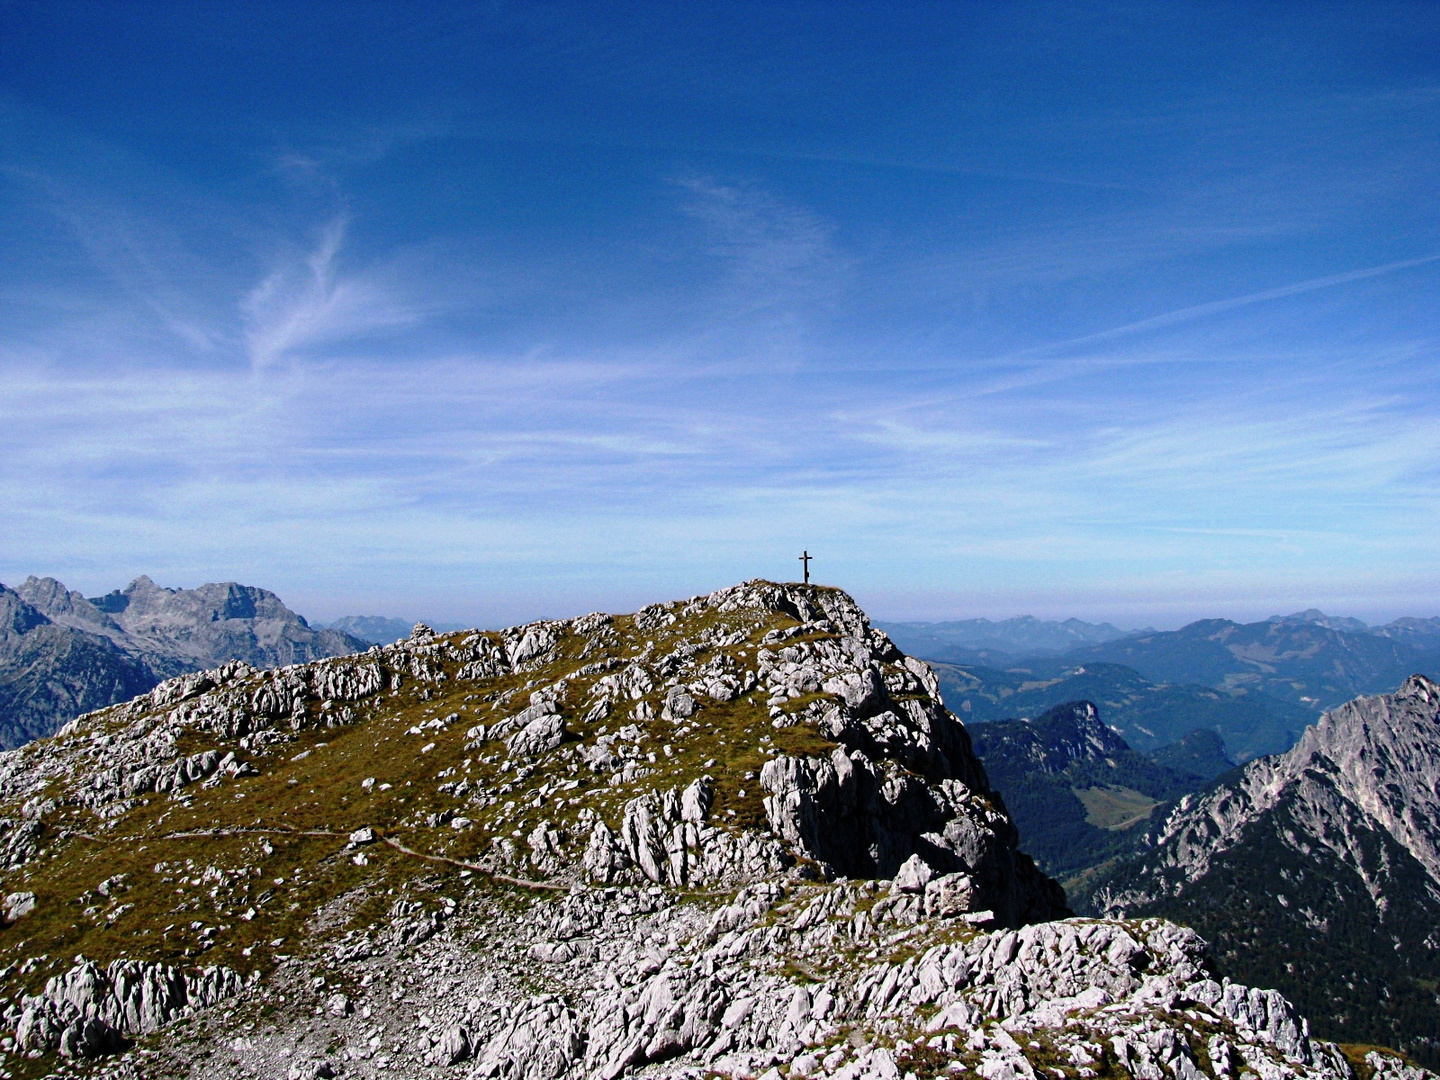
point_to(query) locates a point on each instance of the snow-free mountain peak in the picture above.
(62, 654)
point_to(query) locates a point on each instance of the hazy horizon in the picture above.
(466, 618)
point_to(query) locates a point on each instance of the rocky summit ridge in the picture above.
(737, 835)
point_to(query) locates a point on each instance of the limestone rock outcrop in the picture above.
(90, 1011)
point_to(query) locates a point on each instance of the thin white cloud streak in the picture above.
(1284, 456)
(647, 431)
(1055, 246)
(488, 430)
(1216, 307)
(778, 259)
(536, 513)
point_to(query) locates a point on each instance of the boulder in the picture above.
(914, 874)
(18, 905)
(539, 735)
(679, 704)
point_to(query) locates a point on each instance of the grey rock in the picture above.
(454, 1045)
(539, 735)
(697, 799)
(679, 704)
(18, 905)
(914, 874)
(860, 690)
(529, 646)
(88, 1037)
(126, 998)
(950, 895)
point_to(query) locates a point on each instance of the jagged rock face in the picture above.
(722, 834)
(179, 630)
(62, 655)
(50, 673)
(88, 1011)
(1318, 869)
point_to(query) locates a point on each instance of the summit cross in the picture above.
(805, 558)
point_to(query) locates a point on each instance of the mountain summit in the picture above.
(718, 836)
(180, 630)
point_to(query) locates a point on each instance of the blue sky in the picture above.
(490, 311)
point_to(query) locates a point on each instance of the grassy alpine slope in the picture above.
(224, 865)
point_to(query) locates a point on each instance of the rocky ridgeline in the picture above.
(1374, 761)
(733, 835)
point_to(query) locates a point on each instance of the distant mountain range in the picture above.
(1148, 715)
(62, 654)
(1303, 659)
(1316, 872)
(1208, 652)
(378, 629)
(1255, 684)
(983, 641)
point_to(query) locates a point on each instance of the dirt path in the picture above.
(210, 834)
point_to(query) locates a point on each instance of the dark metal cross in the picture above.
(805, 558)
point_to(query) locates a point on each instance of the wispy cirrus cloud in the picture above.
(310, 303)
(1217, 307)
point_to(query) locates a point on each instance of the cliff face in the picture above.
(50, 673)
(1317, 870)
(721, 835)
(62, 654)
